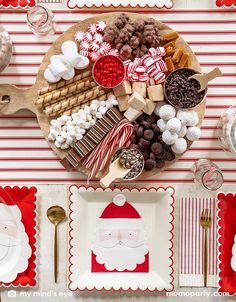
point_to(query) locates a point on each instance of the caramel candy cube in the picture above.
(184, 60)
(170, 64)
(169, 44)
(169, 51)
(140, 87)
(137, 101)
(172, 35)
(123, 88)
(177, 55)
(123, 102)
(155, 93)
(150, 106)
(132, 114)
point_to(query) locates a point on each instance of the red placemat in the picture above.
(24, 198)
(227, 231)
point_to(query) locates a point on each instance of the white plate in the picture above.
(154, 205)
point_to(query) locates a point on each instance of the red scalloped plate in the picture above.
(25, 199)
(227, 231)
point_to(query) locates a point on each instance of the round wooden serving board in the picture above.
(25, 98)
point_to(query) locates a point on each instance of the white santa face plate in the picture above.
(121, 243)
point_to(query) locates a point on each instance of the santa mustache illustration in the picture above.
(120, 242)
(14, 243)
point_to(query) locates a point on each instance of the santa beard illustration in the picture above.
(14, 244)
(120, 244)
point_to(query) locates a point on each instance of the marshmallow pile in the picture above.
(66, 130)
(63, 66)
(151, 67)
(177, 127)
(91, 42)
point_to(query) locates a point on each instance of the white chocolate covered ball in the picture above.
(158, 107)
(182, 131)
(162, 125)
(174, 125)
(180, 146)
(169, 138)
(188, 118)
(167, 112)
(193, 133)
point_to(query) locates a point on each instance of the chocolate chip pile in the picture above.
(132, 39)
(182, 92)
(130, 159)
(147, 138)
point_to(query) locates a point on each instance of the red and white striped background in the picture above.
(24, 153)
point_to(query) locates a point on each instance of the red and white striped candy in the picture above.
(92, 29)
(84, 53)
(161, 66)
(143, 77)
(102, 51)
(114, 52)
(152, 52)
(84, 45)
(140, 70)
(152, 71)
(98, 38)
(157, 59)
(106, 46)
(137, 62)
(94, 46)
(131, 68)
(148, 62)
(94, 56)
(127, 62)
(159, 78)
(100, 25)
(144, 58)
(79, 36)
(161, 51)
(135, 77)
(88, 37)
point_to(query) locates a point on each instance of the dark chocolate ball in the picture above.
(150, 164)
(156, 148)
(134, 146)
(169, 156)
(152, 156)
(139, 132)
(145, 154)
(161, 155)
(155, 128)
(148, 134)
(143, 143)
(134, 139)
(160, 163)
(145, 124)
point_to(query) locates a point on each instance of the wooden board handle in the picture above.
(13, 99)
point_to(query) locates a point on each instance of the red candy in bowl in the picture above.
(109, 71)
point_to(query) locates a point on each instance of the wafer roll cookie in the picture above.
(83, 103)
(66, 91)
(72, 101)
(63, 83)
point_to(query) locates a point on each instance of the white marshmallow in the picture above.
(89, 117)
(57, 144)
(93, 107)
(168, 137)
(180, 146)
(87, 125)
(167, 112)
(69, 141)
(112, 97)
(60, 139)
(81, 131)
(87, 110)
(51, 77)
(82, 63)
(102, 103)
(102, 110)
(51, 138)
(58, 65)
(96, 102)
(182, 131)
(114, 102)
(64, 146)
(92, 123)
(162, 125)
(79, 136)
(72, 134)
(98, 115)
(63, 134)
(69, 47)
(109, 104)
(69, 74)
(193, 133)
(54, 134)
(173, 125)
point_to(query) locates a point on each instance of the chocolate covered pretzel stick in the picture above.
(66, 91)
(63, 83)
(73, 101)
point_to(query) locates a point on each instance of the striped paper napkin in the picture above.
(191, 243)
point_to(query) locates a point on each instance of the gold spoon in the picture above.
(56, 215)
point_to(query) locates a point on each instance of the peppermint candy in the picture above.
(79, 36)
(84, 45)
(88, 37)
(84, 53)
(159, 78)
(100, 25)
(161, 66)
(102, 51)
(94, 46)
(106, 46)
(92, 29)
(98, 38)
(114, 52)
(94, 56)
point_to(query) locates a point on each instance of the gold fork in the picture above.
(206, 224)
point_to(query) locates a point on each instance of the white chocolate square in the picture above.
(122, 89)
(132, 114)
(123, 102)
(150, 106)
(155, 93)
(137, 101)
(140, 87)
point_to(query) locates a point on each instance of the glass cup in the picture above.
(207, 174)
(40, 20)
(227, 130)
(5, 49)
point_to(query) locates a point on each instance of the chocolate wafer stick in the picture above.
(73, 101)
(65, 91)
(63, 83)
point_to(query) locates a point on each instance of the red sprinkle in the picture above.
(109, 71)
